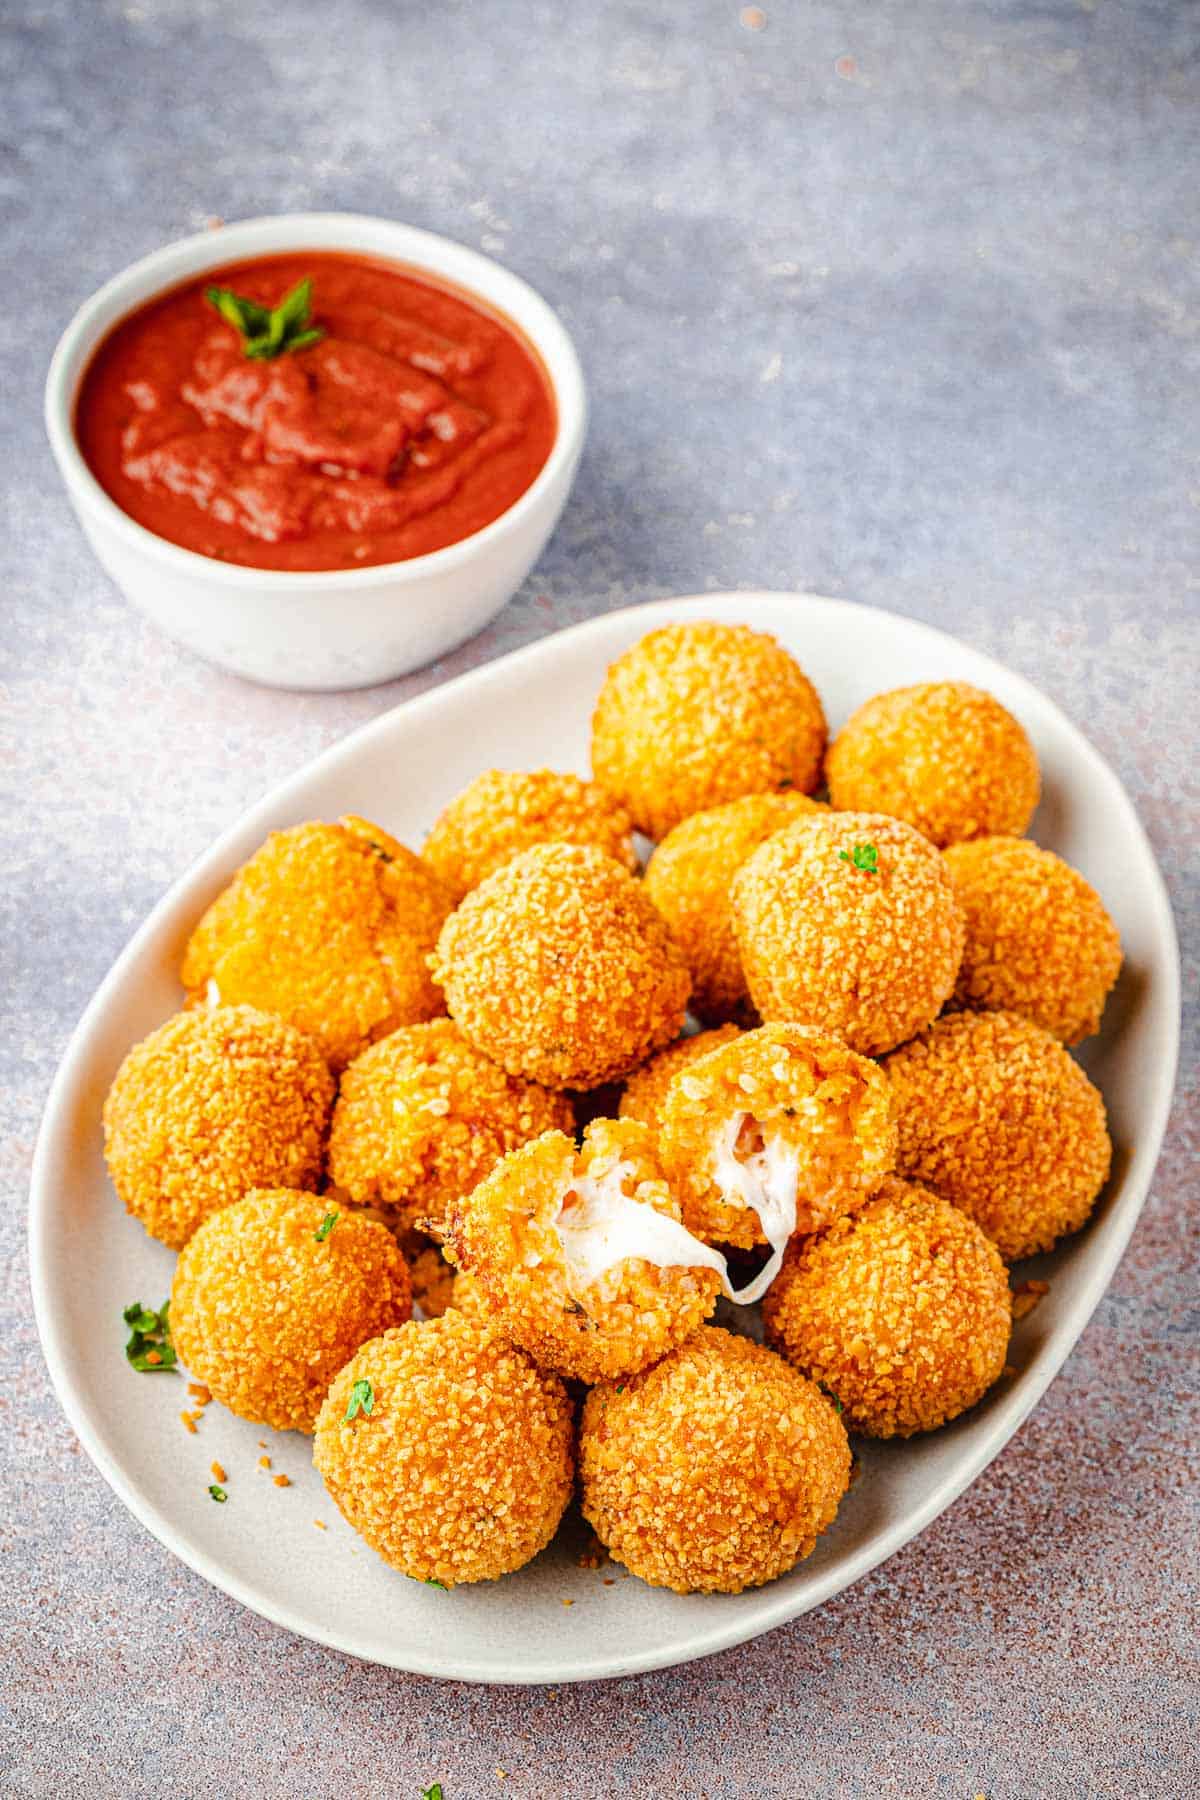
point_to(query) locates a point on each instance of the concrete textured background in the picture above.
(894, 302)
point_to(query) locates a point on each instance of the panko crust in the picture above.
(504, 1236)
(466, 1293)
(688, 878)
(207, 1107)
(503, 812)
(560, 969)
(330, 927)
(901, 1312)
(265, 1315)
(714, 1471)
(995, 1116)
(422, 1116)
(432, 1277)
(464, 1466)
(804, 1087)
(871, 955)
(1039, 940)
(646, 1088)
(943, 755)
(694, 715)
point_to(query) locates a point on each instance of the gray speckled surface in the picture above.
(898, 303)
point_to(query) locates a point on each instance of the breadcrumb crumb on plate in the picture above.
(88, 1261)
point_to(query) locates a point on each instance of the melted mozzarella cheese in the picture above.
(765, 1181)
(600, 1225)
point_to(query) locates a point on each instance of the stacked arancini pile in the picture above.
(890, 979)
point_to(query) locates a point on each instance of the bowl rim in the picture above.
(425, 251)
(775, 1604)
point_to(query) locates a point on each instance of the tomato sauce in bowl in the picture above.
(418, 417)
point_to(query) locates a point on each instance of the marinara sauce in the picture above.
(418, 417)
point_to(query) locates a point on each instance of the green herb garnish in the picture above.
(269, 331)
(864, 857)
(432, 1793)
(362, 1400)
(218, 1494)
(432, 1581)
(149, 1349)
(326, 1226)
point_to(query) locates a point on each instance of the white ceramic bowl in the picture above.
(88, 1259)
(319, 629)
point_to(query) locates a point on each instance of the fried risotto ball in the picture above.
(330, 926)
(688, 879)
(501, 813)
(780, 1130)
(457, 1464)
(694, 715)
(1039, 940)
(422, 1116)
(715, 1470)
(562, 1241)
(209, 1106)
(902, 1312)
(995, 1116)
(944, 756)
(270, 1300)
(560, 969)
(646, 1088)
(849, 921)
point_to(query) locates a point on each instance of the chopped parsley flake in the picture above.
(326, 1226)
(149, 1349)
(362, 1400)
(432, 1793)
(864, 857)
(218, 1493)
(432, 1581)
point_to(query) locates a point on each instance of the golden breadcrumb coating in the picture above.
(995, 1116)
(265, 1314)
(694, 715)
(468, 1296)
(432, 1277)
(789, 1088)
(560, 969)
(330, 926)
(714, 1471)
(647, 1087)
(422, 1116)
(209, 1106)
(463, 1467)
(943, 755)
(502, 813)
(1039, 941)
(868, 952)
(688, 878)
(507, 1235)
(902, 1312)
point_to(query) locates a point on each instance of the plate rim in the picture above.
(777, 1607)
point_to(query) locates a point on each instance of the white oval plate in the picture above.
(89, 1260)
